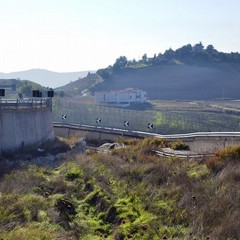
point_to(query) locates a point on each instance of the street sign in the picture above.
(98, 120)
(126, 123)
(150, 125)
(64, 116)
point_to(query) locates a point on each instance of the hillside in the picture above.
(126, 193)
(44, 77)
(188, 73)
(78, 86)
(178, 81)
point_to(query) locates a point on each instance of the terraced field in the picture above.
(167, 116)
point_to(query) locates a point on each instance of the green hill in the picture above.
(25, 87)
(177, 81)
(190, 72)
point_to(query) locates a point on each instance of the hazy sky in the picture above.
(75, 35)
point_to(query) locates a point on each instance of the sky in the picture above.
(79, 35)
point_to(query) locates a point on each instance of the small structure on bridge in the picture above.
(129, 95)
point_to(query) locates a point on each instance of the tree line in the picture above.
(188, 54)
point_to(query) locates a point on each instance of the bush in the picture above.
(23, 181)
(33, 231)
(179, 145)
(18, 210)
(73, 174)
(224, 157)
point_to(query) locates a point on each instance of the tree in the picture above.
(144, 58)
(184, 52)
(210, 49)
(212, 53)
(120, 63)
(198, 47)
(169, 54)
(104, 73)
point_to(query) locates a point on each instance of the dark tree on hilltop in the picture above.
(189, 54)
(145, 58)
(169, 54)
(120, 63)
(211, 50)
(184, 53)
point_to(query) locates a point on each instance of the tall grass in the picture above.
(127, 193)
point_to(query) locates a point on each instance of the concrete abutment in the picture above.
(20, 128)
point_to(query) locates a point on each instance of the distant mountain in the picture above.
(46, 78)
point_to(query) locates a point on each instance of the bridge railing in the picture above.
(25, 103)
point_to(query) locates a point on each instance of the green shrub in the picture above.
(23, 181)
(224, 157)
(18, 210)
(179, 145)
(73, 174)
(32, 231)
(230, 153)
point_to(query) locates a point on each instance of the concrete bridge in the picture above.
(199, 142)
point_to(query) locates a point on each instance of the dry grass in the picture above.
(125, 194)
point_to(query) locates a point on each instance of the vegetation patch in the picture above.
(127, 193)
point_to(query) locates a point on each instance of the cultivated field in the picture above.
(167, 116)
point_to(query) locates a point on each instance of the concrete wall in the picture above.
(90, 136)
(198, 145)
(211, 145)
(23, 127)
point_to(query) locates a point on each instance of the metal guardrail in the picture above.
(117, 131)
(188, 137)
(181, 155)
(134, 133)
(25, 103)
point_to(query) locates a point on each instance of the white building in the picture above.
(121, 96)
